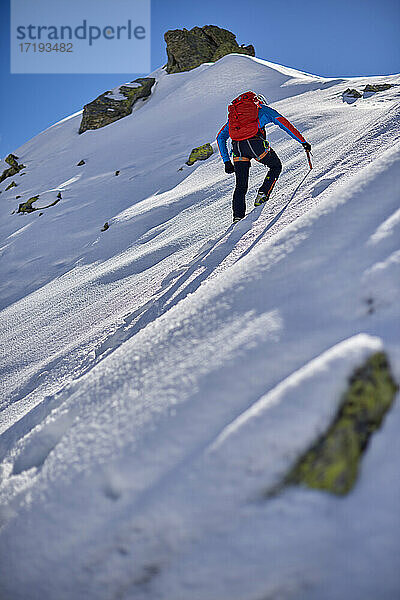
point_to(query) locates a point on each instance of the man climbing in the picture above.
(247, 116)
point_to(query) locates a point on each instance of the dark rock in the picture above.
(227, 48)
(200, 153)
(117, 172)
(379, 87)
(80, 163)
(187, 50)
(16, 197)
(352, 93)
(216, 34)
(11, 160)
(332, 463)
(106, 109)
(105, 226)
(249, 49)
(26, 207)
(59, 195)
(12, 184)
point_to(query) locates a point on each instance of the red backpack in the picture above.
(243, 116)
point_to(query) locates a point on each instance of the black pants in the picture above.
(243, 151)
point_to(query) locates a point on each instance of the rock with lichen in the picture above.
(15, 167)
(332, 463)
(201, 153)
(187, 50)
(26, 207)
(352, 93)
(227, 48)
(114, 105)
(379, 87)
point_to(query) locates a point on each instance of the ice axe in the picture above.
(308, 152)
(307, 148)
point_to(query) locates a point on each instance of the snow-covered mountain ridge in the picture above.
(135, 359)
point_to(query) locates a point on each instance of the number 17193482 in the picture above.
(46, 47)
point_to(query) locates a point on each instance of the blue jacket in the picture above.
(266, 115)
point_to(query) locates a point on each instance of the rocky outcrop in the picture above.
(201, 153)
(12, 184)
(187, 50)
(11, 160)
(332, 463)
(114, 105)
(379, 87)
(26, 207)
(352, 93)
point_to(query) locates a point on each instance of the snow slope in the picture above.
(160, 377)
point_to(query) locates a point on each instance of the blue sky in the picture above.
(330, 38)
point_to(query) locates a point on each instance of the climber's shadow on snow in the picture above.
(204, 263)
(267, 228)
(188, 281)
(275, 219)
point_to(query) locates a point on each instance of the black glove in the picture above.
(229, 168)
(306, 146)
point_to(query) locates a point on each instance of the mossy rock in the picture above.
(106, 109)
(216, 34)
(332, 463)
(12, 184)
(228, 48)
(379, 87)
(186, 50)
(11, 160)
(201, 153)
(26, 207)
(352, 93)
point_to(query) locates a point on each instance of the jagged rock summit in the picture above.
(187, 50)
